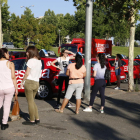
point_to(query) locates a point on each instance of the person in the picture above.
(8, 85)
(100, 84)
(63, 62)
(11, 56)
(31, 85)
(118, 70)
(76, 72)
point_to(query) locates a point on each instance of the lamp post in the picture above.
(27, 7)
(59, 37)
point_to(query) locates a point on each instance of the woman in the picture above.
(118, 70)
(99, 85)
(76, 72)
(8, 85)
(31, 79)
(63, 62)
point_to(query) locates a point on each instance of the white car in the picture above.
(8, 45)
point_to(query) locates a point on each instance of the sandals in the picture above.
(76, 112)
(61, 111)
(58, 111)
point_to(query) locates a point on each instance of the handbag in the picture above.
(107, 74)
(15, 110)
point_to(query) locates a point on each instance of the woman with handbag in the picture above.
(8, 85)
(100, 84)
(76, 72)
(63, 62)
(31, 79)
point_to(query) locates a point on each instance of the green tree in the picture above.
(127, 10)
(137, 34)
(49, 18)
(28, 27)
(5, 17)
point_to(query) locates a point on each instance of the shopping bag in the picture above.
(15, 110)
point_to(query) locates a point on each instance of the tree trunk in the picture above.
(131, 53)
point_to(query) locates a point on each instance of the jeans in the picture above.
(99, 85)
(61, 79)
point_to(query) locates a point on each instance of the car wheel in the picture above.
(44, 91)
(126, 79)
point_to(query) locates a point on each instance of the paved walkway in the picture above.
(121, 120)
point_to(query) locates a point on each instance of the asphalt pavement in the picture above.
(121, 120)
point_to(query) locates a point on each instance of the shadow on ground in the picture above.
(98, 130)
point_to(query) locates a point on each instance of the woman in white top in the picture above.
(31, 79)
(8, 85)
(100, 84)
(63, 62)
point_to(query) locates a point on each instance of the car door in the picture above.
(19, 72)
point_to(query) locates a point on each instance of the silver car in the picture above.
(8, 45)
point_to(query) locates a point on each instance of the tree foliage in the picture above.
(28, 27)
(137, 34)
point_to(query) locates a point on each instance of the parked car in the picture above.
(110, 66)
(8, 45)
(47, 53)
(136, 69)
(46, 88)
(18, 54)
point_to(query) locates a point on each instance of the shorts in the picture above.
(117, 71)
(74, 87)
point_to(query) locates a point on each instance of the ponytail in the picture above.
(101, 59)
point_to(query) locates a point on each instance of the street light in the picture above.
(27, 7)
(59, 37)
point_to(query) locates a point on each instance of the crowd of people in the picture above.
(73, 74)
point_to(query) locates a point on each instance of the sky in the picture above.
(40, 6)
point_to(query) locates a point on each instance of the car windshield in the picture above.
(112, 63)
(70, 48)
(138, 61)
(93, 63)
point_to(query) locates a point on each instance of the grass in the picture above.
(124, 50)
(115, 50)
(55, 49)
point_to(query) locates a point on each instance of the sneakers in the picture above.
(87, 109)
(117, 88)
(102, 111)
(70, 105)
(57, 106)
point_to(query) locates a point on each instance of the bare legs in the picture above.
(118, 80)
(78, 103)
(65, 101)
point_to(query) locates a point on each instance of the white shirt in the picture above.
(63, 64)
(35, 66)
(100, 72)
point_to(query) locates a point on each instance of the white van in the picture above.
(8, 45)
